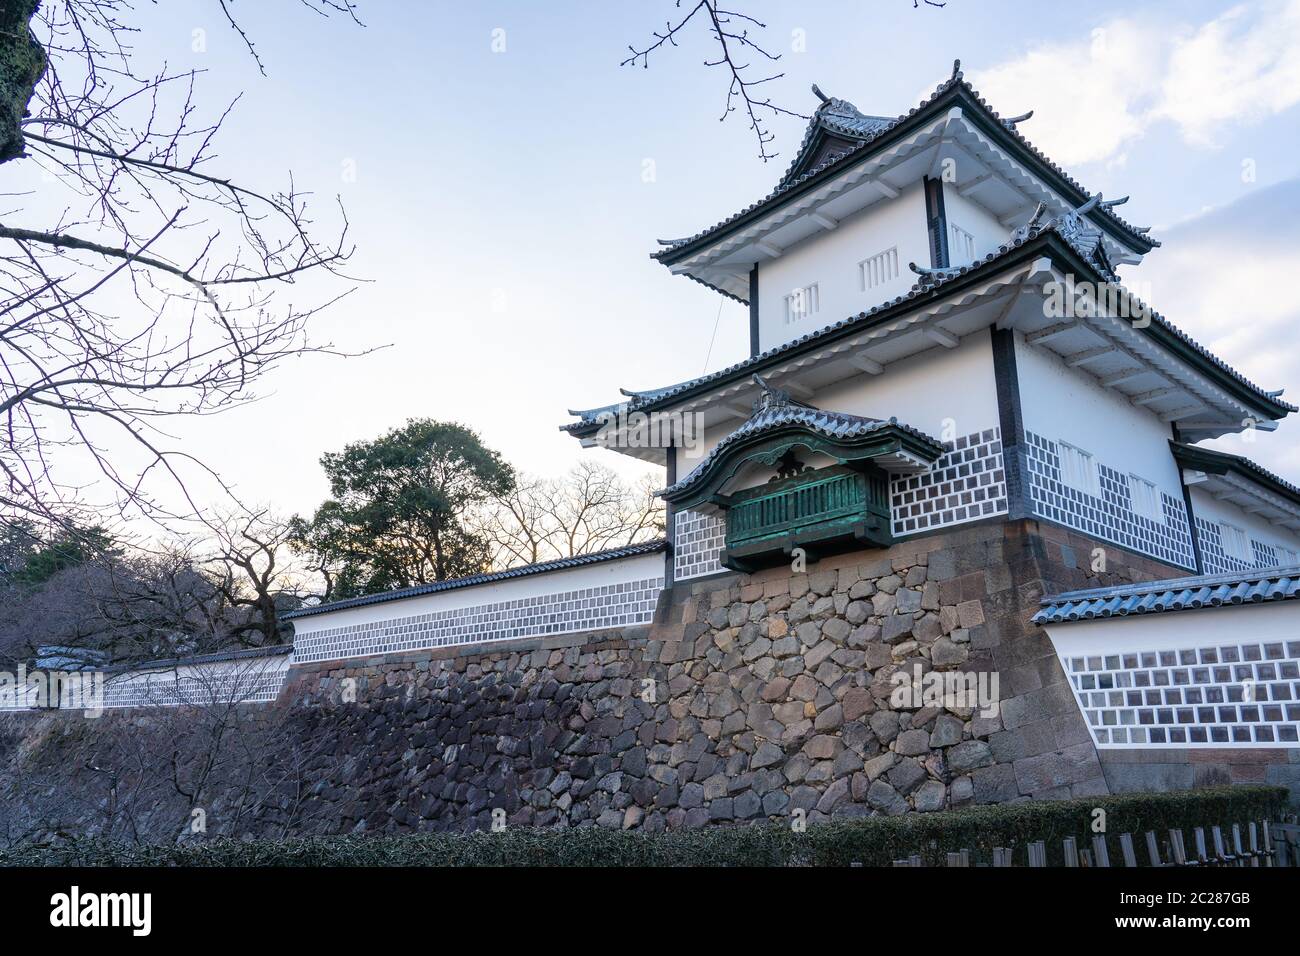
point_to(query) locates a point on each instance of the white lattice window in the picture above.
(1287, 558)
(961, 245)
(1235, 542)
(878, 269)
(1079, 469)
(1146, 498)
(802, 303)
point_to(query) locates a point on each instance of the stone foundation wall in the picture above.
(751, 697)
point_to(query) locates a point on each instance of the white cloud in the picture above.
(1240, 67)
(1086, 93)
(1224, 277)
(1094, 95)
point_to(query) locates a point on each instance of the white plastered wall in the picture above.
(589, 576)
(830, 259)
(1062, 404)
(1261, 677)
(942, 392)
(1208, 508)
(974, 219)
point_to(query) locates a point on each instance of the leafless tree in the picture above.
(590, 509)
(203, 758)
(258, 574)
(137, 283)
(138, 605)
(736, 46)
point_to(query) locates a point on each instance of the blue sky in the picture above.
(503, 219)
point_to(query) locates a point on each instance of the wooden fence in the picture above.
(1251, 844)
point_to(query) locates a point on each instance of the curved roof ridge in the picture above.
(1011, 125)
(831, 424)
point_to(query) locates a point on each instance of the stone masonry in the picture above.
(751, 698)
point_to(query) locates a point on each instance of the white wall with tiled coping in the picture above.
(1270, 545)
(254, 680)
(247, 680)
(1218, 677)
(621, 592)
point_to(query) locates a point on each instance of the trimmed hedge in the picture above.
(876, 841)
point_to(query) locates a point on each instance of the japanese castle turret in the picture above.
(951, 533)
(942, 350)
(939, 332)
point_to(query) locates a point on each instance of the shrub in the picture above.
(873, 842)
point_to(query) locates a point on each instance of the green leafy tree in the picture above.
(31, 562)
(399, 505)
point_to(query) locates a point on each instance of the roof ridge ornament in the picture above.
(817, 92)
(1036, 221)
(1012, 121)
(956, 71)
(769, 396)
(929, 275)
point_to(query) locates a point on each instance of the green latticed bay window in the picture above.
(821, 511)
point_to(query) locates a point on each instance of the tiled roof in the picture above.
(830, 424)
(871, 130)
(835, 116)
(926, 285)
(1240, 464)
(1177, 594)
(473, 580)
(241, 654)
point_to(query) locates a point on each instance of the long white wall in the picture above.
(613, 593)
(255, 680)
(830, 259)
(1215, 677)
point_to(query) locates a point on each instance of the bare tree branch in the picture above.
(138, 286)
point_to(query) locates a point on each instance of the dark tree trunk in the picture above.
(22, 63)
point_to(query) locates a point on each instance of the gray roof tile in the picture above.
(1177, 594)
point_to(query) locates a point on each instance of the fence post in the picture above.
(1177, 848)
(1099, 851)
(1153, 850)
(1071, 852)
